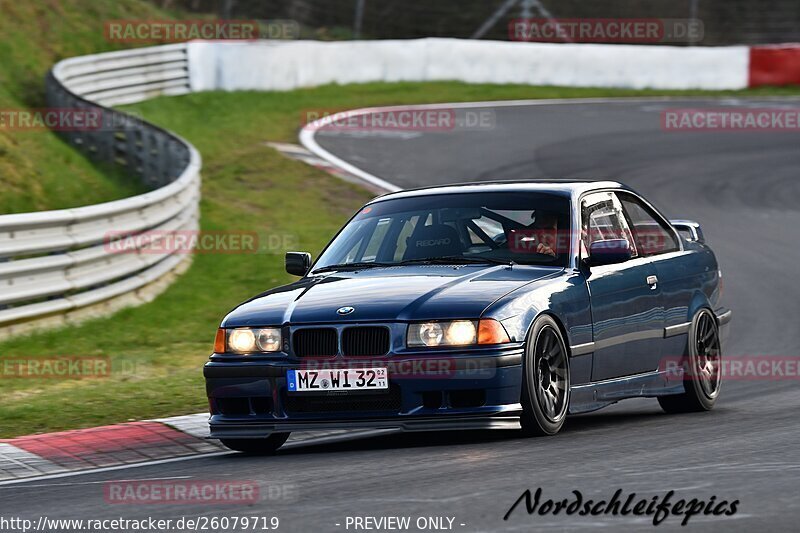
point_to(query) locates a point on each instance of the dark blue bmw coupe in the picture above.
(491, 305)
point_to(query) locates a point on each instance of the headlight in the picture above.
(453, 333)
(242, 340)
(456, 333)
(246, 340)
(268, 339)
(461, 332)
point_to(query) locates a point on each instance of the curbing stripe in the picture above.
(100, 447)
(18, 463)
(195, 425)
(133, 444)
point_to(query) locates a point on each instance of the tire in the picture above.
(267, 446)
(545, 381)
(702, 368)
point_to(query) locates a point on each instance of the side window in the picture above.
(602, 219)
(650, 233)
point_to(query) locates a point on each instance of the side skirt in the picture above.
(593, 396)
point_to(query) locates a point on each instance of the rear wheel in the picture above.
(266, 446)
(545, 387)
(703, 370)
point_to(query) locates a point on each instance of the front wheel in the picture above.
(703, 376)
(545, 386)
(266, 446)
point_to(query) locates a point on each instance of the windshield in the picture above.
(515, 227)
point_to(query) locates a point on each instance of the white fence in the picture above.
(285, 65)
(56, 262)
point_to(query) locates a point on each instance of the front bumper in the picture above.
(262, 429)
(249, 399)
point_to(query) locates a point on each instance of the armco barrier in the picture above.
(55, 265)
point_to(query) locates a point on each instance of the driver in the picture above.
(545, 226)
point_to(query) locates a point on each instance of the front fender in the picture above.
(566, 299)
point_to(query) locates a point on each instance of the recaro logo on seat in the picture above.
(433, 242)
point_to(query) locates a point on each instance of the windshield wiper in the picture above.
(456, 260)
(353, 266)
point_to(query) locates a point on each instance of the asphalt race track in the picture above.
(743, 187)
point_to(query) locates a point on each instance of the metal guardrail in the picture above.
(54, 262)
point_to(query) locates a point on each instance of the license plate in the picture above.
(342, 379)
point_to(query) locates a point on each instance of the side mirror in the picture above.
(609, 252)
(298, 263)
(689, 230)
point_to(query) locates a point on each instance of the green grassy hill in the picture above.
(37, 169)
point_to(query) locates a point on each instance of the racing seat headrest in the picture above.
(436, 240)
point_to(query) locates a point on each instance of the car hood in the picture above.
(420, 292)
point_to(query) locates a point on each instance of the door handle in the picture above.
(653, 282)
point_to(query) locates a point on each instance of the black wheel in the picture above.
(545, 386)
(702, 370)
(266, 446)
